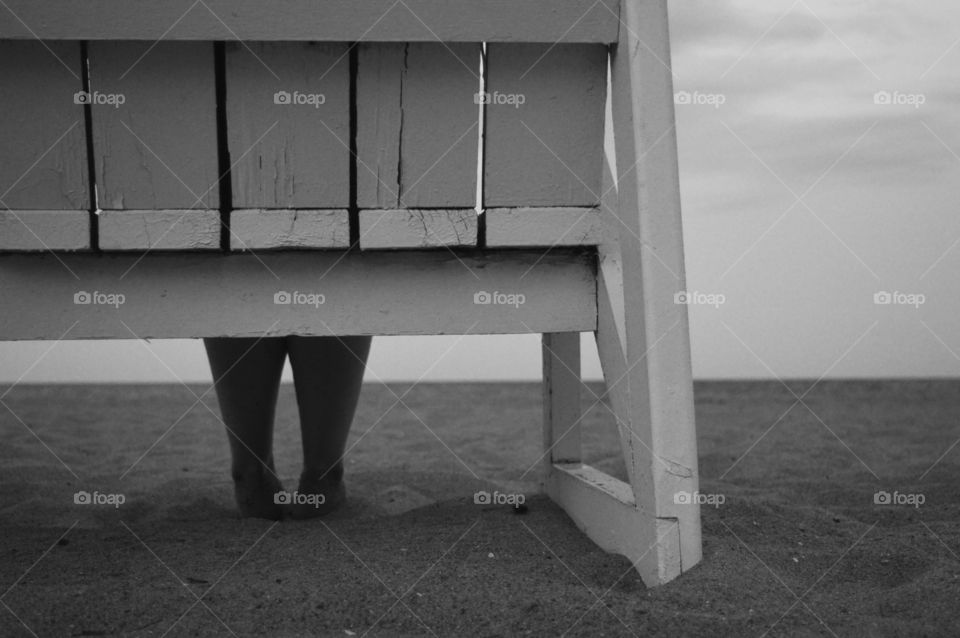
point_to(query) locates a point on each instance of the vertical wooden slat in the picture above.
(561, 398)
(543, 140)
(379, 110)
(44, 196)
(417, 138)
(156, 152)
(288, 124)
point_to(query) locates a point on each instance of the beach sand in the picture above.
(798, 547)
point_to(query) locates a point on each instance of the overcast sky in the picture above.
(802, 196)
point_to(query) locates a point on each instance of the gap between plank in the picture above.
(225, 185)
(91, 165)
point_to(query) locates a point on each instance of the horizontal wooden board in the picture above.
(32, 230)
(413, 228)
(288, 124)
(330, 20)
(270, 229)
(573, 226)
(373, 293)
(159, 230)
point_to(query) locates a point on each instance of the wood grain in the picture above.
(288, 124)
(33, 230)
(43, 166)
(381, 293)
(412, 228)
(573, 226)
(331, 20)
(544, 124)
(417, 125)
(159, 230)
(301, 228)
(158, 149)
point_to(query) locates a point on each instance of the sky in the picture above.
(819, 149)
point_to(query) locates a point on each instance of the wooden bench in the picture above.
(220, 168)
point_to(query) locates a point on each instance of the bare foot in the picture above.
(319, 493)
(255, 492)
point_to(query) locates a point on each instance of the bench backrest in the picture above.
(252, 125)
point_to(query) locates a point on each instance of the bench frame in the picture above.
(625, 291)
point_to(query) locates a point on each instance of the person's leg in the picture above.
(247, 377)
(327, 374)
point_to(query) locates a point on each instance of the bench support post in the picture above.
(642, 328)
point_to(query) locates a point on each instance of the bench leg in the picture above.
(642, 329)
(636, 519)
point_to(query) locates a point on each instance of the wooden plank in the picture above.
(604, 508)
(573, 226)
(43, 166)
(544, 122)
(270, 229)
(288, 124)
(372, 293)
(412, 228)
(380, 70)
(30, 230)
(159, 230)
(642, 335)
(417, 125)
(154, 135)
(561, 399)
(331, 20)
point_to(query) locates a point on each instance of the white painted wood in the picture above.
(187, 295)
(417, 125)
(561, 399)
(331, 20)
(268, 229)
(43, 166)
(379, 93)
(288, 124)
(157, 150)
(544, 124)
(417, 228)
(32, 230)
(642, 335)
(159, 230)
(573, 226)
(604, 508)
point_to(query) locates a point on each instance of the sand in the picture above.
(413, 555)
